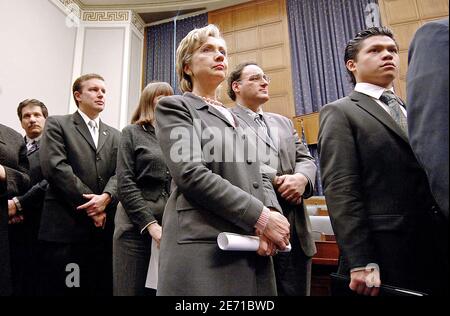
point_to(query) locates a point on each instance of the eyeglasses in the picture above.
(257, 78)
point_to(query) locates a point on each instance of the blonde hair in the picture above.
(145, 111)
(187, 47)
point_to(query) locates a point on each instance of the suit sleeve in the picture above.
(342, 186)
(33, 195)
(304, 162)
(428, 104)
(18, 180)
(137, 208)
(55, 166)
(191, 174)
(270, 197)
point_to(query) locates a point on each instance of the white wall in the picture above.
(135, 74)
(36, 57)
(103, 53)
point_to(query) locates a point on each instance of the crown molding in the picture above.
(86, 14)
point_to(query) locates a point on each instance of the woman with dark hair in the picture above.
(143, 185)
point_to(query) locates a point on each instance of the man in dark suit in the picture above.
(377, 194)
(428, 102)
(290, 167)
(78, 159)
(14, 180)
(23, 236)
(428, 105)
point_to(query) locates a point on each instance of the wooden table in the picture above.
(324, 262)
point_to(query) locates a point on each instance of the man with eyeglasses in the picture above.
(293, 173)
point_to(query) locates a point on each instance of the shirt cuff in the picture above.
(263, 219)
(145, 227)
(17, 202)
(360, 269)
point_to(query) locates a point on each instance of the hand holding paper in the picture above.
(236, 242)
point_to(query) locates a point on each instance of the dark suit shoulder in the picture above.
(173, 99)
(10, 134)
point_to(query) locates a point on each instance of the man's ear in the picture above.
(351, 65)
(236, 87)
(76, 95)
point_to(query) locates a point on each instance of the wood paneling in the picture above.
(245, 17)
(404, 33)
(399, 11)
(269, 11)
(273, 58)
(257, 31)
(270, 34)
(246, 39)
(404, 17)
(432, 8)
(277, 83)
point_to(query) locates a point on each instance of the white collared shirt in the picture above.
(375, 93)
(86, 120)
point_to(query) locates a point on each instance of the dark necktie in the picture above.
(33, 147)
(394, 109)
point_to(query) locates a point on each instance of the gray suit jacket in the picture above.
(13, 157)
(73, 167)
(428, 104)
(217, 189)
(293, 157)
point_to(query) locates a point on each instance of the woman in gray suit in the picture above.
(218, 187)
(143, 184)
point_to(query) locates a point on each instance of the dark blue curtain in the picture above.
(319, 31)
(161, 47)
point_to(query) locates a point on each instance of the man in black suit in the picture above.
(78, 159)
(14, 180)
(23, 235)
(377, 194)
(293, 173)
(428, 102)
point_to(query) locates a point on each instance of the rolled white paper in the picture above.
(237, 242)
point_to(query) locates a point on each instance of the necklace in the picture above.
(210, 101)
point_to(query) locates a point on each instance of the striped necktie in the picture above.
(394, 109)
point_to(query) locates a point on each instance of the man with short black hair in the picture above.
(377, 194)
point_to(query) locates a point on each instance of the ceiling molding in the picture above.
(158, 6)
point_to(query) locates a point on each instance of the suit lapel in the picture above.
(200, 105)
(271, 126)
(240, 113)
(370, 106)
(103, 135)
(82, 128)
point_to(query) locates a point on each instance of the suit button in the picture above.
(255, 185)
(100, 179)
(98, 158)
